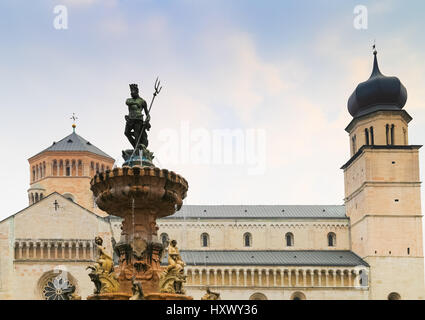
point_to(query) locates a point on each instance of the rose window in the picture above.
(57, 289)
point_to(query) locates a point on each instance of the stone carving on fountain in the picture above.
(140, 193)
(102, 273)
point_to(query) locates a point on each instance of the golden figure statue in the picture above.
(102, 273)
(172, 279)
(211, 295)
(174, 259)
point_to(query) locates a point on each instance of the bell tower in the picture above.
(382, 189)
(67, 167)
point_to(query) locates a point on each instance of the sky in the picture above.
(276, 74)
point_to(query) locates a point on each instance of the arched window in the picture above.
(247, 239)
(258, 296)
(97, 168)
(366, 133)
(74, 168)
(394, 296)
(392, 134)
(67, 168)
(298, 296)
(36, 197)
(331, 239)
(164, 239)
(387, 132)
(55, 167)
(289, 239)
(205, 240)
(372, 138)
(61, 167)
(80, 168)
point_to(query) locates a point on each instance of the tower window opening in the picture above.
(396, 200)
(387, 131)
(408, 250)
(366, 133)
(372, 142)
(392, 134)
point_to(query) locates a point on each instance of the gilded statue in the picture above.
(102, 273)
(172, 278)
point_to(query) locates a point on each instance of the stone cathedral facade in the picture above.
(358, 250)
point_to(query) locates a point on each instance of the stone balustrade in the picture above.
(55, 250)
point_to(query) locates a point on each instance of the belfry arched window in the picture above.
(392, 134)
(205, 240)
(366, 133)
(247, 240)
(289, 237)
(55, 167)
(387, 133)
(331, 239)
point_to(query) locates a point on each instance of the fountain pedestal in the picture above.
(139, 195)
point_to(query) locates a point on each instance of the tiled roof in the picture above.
(343, 258)
(260, 212)
(74, 142)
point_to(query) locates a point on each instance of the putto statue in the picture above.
(102, 273)
(172, 279)
(136, 129)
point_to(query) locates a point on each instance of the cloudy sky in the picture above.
(278, 73)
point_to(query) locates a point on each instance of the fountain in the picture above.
(140, 193)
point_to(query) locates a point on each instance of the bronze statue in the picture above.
(137, 290)
(172, 279)
(210, 295)
(135, 127)
(102, 273)
(70, 294)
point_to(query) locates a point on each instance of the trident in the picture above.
(157, 90)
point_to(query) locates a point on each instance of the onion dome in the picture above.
(379, 92)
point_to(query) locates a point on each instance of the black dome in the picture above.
(379, 92)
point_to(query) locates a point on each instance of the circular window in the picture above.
(57, 289)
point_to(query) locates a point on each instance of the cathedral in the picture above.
(370, 247)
